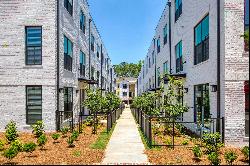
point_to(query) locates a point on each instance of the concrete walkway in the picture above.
(125, 145)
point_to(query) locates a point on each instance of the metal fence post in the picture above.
(223, 129)
(150, 131)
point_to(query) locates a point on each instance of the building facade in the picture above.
(201, 43)
(126, 89)
(50, 53)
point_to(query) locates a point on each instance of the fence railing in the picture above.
(148, 123)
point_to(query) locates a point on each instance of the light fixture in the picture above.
(61, 90)
(213, 88)
(77, 90)
(185, 90)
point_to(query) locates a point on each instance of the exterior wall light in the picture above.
(185, 90)
(61, 90)
(213, 88)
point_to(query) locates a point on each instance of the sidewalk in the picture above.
(125, 145)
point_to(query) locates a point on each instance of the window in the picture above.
(68, 103)
(33, 45)
(33, 104)
(98, 51)
(178, 9)
(97, 76)
(178, 54)
(82, 22)
(165, 68)
(153, 59)
(92, 73)
(82, 64)
(158, 45)
(125, 86)
(201, 102)
(130, 94)
(201, 52)
(92, 43)
(149, 83)
(246, 22)
(68, 4)
(118, 85)
(246, 90)
(68, 53)
(165, 33)
(149, 62)
(159, 76)
(125, 94)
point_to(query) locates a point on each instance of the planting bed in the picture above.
(59, 153)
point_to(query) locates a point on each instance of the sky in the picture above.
(127, 27)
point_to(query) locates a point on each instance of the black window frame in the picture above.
(92, 43)
(82, 24)
(179, 60)
(83, 65)
(165, 34)
(201, 51)
(124, 86)
(34, 47)
(68, 60)
(69, 7)
(158, 76)
(178, 10)
(68, 107)
(27, 105)
(158, 44)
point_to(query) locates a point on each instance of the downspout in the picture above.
(170, 36)
(101, 67)
(218, 66)
(89, 50)
(57, 66)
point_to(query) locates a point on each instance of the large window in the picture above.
(165, 33)
(33, 45)
(149, 62)
(92, 43)
(201, 47)
(68, 53)
(125, 86)
(165, 67)
(158, 45)
(159, 76)
(178, 9)
(98, 51)
(68, 4)
(202, 104)
(92, 73)
(82, 63)
(246, 89)
(82, 22)
(153, 57)
(179, 58)
(33, 104)
(125, 94)
(68, 103)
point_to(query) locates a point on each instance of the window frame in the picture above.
(66, 3)
(83, 65)
(68, 111)
(66, 55)
(26, 93)
(26, 45)
(178, 10)
(158, 45)
(165, 34)
(82, 24)
(92, 43)
(179, 57)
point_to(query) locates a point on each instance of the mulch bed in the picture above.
(59, 153)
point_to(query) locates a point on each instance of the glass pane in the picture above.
(180, 47)
(205, 28)
(70, 48)
(81, 58)
(198, 35)
(176, 4)
(34, 36)
(65, 45)
(177, 51)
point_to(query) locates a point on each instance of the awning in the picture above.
(176, 77)
(154, 89)
(88, 81)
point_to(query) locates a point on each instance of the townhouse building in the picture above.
(50, 53)
(201, 43)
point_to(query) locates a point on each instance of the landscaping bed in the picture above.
(58, 153)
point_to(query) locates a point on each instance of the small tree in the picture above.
(11, 131)
(41, 141)
(29, 147)
(230, 157)
(38, 129)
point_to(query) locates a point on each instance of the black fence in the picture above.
(148, 124)
(66, 117)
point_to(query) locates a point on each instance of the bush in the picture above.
(38, 129)
(70, 142)
(230, 157)
(168, 141)
(89, 121)
(55, 136)
(245, 151)
(18, 145)
(11, 131)
(75, 135)
(1, 145)
(29, 147)
(213, 157)
(64, 131)
(10, 153)
(212, 142)
(197, 151)
(41, 141)
(185, 142)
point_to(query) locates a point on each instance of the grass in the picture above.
(103, 139)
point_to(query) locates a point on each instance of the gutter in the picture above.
(170, 36)
(57, 67)
(218, 66)
(89, 51)
(101, 67)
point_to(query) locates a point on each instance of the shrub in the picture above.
(212, 142)
(38, 129)
(75, 135)
(11, 131)
(197, 151)
(185, 142)
(55, 136)
(10, 153)
(230, 157)
(29, 147)
(89, 121)
(213, 157)
(64, 131)
(70, 142)
(41, 141)
(245, 151)
(168, 141)
(18, 145)
(1, 145)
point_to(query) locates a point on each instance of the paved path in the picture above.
(125, 145)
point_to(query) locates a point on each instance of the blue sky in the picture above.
(126, 26)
